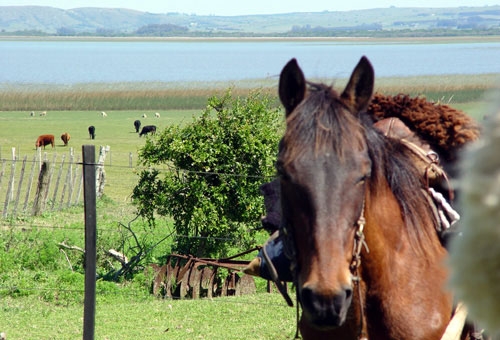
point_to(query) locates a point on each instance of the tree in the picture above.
(161, 30)
(212, 170)
(66, 31)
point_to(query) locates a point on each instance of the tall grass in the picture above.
(445, 88)
(102, 100)
(188, 96)
(120, 96)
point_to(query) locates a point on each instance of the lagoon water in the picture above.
(75, 62)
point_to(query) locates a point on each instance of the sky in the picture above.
(246, 7)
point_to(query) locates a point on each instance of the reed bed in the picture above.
(102, 100)
(452, 88)
(189, 96)
(120, 96)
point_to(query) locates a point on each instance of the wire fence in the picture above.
(36, 184)
(32, 186)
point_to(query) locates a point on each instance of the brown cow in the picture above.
(44, 140)
(65, 138)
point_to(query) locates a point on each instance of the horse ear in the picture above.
(292, 87)
(359, 89)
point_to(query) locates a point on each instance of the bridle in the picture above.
(359, 243)
(290, 252)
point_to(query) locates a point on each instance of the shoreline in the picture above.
(449, 81)
(407, 40)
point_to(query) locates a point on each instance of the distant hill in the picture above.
(119, 21)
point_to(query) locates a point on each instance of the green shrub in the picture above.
(212, 169)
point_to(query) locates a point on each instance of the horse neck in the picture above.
(382, 231)
(395, 273)
(388, 237)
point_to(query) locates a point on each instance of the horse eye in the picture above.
(281, 171)
(363, 178)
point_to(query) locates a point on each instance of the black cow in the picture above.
(148, 129)
(137, 125)
(92, 131)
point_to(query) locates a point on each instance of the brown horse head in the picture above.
(324, 154)
(338, 171)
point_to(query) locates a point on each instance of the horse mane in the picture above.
(393, 162)
(446, 129)
(318, 121)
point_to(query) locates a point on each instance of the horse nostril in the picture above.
(328, 310)
(348, 293)
(306, 296)
(313, 302)
(342, 299)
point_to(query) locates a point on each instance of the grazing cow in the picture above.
(65, 138)
(148, 129)
(32, 114)
(137, 125)
(92, 131)
(43, 140)
(157, 115)
(144, 115)
(104, 114)
(44, 113)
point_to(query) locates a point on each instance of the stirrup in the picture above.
(253, 268)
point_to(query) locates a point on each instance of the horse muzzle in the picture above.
(325, 310)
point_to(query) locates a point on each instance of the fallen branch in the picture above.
(65, 246)
(118, 256)
(67, 259)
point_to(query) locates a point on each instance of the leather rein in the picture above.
(359, 243)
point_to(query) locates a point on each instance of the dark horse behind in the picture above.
(367, 260)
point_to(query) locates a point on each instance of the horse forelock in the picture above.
(322, 122)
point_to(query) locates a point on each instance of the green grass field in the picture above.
(39, 298)
(116, 130)
(121, 317)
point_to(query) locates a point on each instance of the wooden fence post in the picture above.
(10, 189)
(100, 172)
(43, 183)
(49, 181)
(79, 190)
(18, 196)
(30, 182)
(39, 157)
(57, 181)
(12, 175)
(73, 183)
(89, 194)
(67, 182)
(4, 161)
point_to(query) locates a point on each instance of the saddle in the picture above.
(426, 159)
